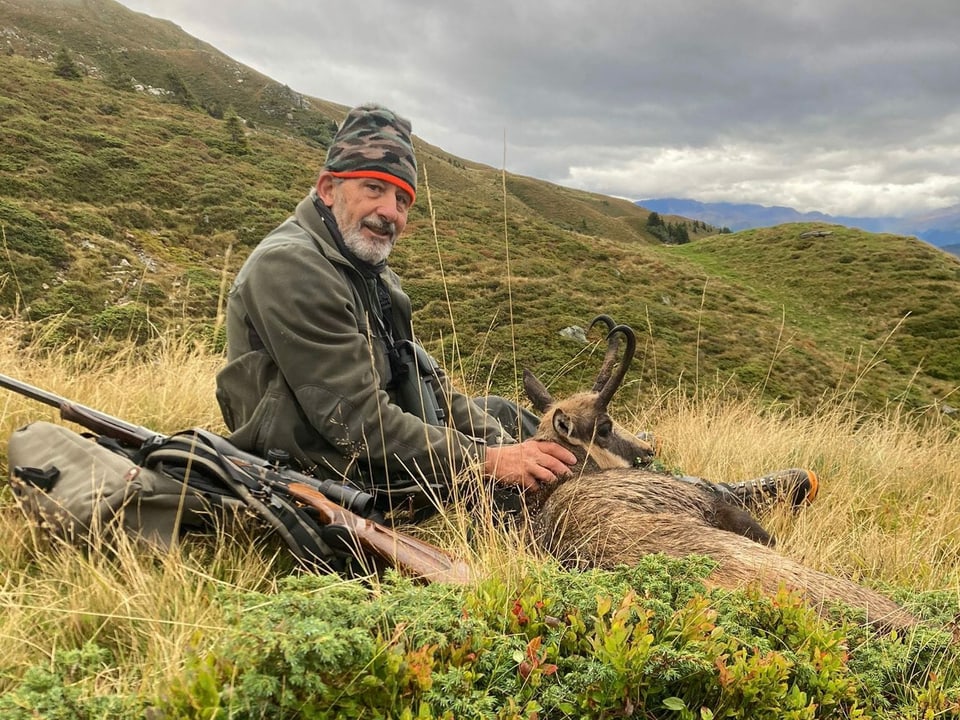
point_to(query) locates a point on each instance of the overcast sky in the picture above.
(845, 106)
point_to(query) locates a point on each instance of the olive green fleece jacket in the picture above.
(307, 370)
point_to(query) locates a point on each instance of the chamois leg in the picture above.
(737, 520)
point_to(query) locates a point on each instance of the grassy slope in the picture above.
(849, 290)
(98, 181)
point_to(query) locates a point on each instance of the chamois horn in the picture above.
(611, 355)
(610, 387)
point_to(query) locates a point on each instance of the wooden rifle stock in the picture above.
(409, 555)
(102, 424)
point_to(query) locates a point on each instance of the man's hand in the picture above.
(528, 464)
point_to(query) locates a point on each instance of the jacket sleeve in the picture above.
(470, 418)
(311, 331)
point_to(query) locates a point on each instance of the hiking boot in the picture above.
(796, 486)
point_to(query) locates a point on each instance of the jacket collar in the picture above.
(316, 217)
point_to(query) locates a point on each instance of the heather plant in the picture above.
(648, 640)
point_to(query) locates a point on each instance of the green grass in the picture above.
(99, 180)
(882, 293)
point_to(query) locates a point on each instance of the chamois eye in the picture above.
(604, 429)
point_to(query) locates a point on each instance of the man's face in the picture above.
(370, 213)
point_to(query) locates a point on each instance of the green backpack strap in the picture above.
(206, 460)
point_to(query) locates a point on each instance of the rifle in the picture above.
(331, 503)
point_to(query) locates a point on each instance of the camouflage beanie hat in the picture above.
(373, 141)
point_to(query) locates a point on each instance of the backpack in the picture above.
(83, 487)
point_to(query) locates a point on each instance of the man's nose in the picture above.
(389, 209)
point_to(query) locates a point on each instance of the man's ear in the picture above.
(325, 185)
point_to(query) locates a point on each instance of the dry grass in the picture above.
(145, 606)
(887, 513)
(148, 605)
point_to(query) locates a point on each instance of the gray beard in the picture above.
(368, 250)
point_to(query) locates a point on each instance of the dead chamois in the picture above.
(610, 512)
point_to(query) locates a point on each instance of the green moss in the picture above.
(22, 278)
(25, 233)
(89, 220)
(128, 321)
(78, 299)
(132, 215)
(151, 294)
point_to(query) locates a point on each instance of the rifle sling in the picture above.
(197, 450)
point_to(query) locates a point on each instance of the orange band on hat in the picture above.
(378, 175)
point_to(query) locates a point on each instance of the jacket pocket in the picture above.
(242, 385)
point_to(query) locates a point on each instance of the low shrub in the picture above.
(647, 641)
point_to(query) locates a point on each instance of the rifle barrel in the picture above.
(30, 391)
(98, 422)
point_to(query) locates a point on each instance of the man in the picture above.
(319, 339)
(322, 362)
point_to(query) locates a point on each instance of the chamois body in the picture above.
(609, 512)
(616, 517)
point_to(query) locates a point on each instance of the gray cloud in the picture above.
(845, 106)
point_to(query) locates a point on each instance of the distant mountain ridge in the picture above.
(940, 227)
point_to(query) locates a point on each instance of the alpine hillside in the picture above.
(139, 166)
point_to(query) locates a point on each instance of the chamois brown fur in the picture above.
(610, 512)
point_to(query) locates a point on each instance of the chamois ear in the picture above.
(536, 391)
(563, 425)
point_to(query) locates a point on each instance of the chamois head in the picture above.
(580, 422)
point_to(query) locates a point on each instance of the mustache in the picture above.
(379, 225)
